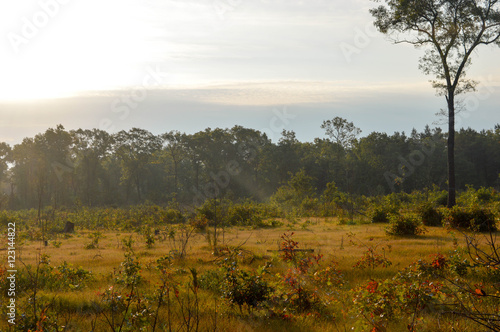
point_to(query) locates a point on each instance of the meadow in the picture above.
(286, 274)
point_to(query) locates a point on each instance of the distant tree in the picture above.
(249, 145)
(55, 145)
(452, 30)
(90, 147)
(341, 131)
(174, 142)
(286, 156)
(5, 156)
(135, 149)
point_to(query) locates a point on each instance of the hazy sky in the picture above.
(191, 64)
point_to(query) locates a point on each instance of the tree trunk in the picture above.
(175, 176)
(451, 150)
(138, 187)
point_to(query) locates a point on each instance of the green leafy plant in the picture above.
(242, 287)
(298, 292)
(430, 215)
(474, 218)
(381, 213)
(94, 244)
(148, 236)
(404, 225)
(371, 257)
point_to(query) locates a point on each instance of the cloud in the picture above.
(373, 107)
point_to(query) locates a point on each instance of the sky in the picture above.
(187, 65)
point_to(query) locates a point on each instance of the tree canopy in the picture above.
(95, 168)
(450, 31)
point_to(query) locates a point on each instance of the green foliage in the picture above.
(296, 289)
(430, 215)
(74, 278)
(148, 236)
(381, 213)
(212, 280)
(459, 263)
(214, 211)
(128, 242)
(62, 277)
(135, 174)
(331, 199)
(172, 216)
(130, 272)
(125, 310)
(241, 287)
(7, 217)
(371, 259)
(482, 196)
(474, 218)
(380, 303)
(297, 196)
(245, 214)
(486, 195)
(94, 244)
(404, 225)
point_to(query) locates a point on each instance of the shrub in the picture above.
(268, 224)
(472, 218)
(485, 194)
(130, 273)
(211, 280)
(430, 215)
(148, 236)
(241, 287)
(74, 278)
(172, 216)
(380, 213)
(372, 259)
(459, 263)
(442, 199)
(404, 224)
(244, 214)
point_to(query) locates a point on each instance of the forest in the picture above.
(61, 168)
(225, 230)
(228, 230)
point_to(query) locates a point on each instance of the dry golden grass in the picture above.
(344, 244)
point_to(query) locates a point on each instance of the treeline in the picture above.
(95, 168)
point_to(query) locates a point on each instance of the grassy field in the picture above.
(124, 284)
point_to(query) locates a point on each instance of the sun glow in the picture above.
(65, 49)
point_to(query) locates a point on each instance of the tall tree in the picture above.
(451, 30)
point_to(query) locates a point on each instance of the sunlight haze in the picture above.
(318, 58)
